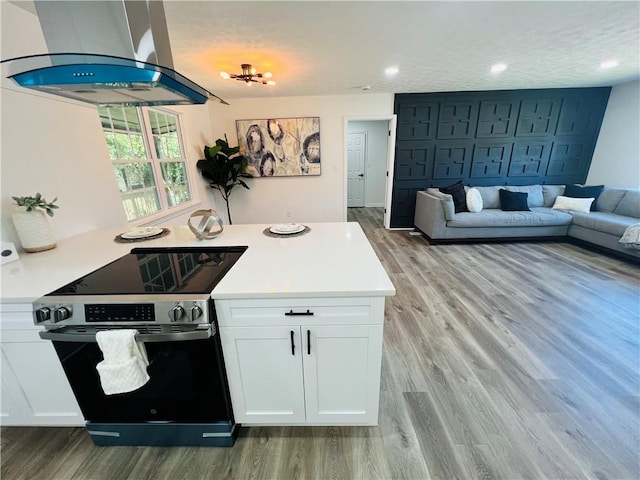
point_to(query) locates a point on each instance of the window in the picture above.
(145, 146)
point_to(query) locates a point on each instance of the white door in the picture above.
(356, 143)
(264, 368)
(342, 373)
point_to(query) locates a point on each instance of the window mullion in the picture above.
(155, 161)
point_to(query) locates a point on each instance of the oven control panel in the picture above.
(56, 314)
(96, 313)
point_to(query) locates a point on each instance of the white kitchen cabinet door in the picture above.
(264, 373)
(35, 390)
(10, 408)
(342, 373)
(45, 397)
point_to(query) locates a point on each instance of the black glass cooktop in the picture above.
(188, 270)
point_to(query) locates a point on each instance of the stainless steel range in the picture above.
(164, 294)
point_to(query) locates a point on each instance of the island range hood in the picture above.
(106, 52)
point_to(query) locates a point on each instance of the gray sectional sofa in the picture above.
(617, 209)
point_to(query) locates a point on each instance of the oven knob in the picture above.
(43, 314)
(176, 313)
(61, 313)
(196, 313)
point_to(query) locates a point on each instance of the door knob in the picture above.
(361, 175)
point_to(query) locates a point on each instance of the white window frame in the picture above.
(165, 212)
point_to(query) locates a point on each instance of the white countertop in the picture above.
(332, 260)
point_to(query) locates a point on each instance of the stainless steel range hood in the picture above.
(106, 52)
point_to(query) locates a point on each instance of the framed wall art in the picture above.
(281, 147)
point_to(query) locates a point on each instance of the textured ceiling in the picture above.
(333, 48)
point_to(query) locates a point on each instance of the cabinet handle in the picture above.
(308, 342)
(291, 313)
(293, 345)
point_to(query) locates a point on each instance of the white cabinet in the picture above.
(35, 390)
(265, 373)
(303, 361)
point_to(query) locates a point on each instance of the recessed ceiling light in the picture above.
(498, 67)
(391, 70)
(609, 64)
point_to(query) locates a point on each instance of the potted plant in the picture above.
(224, 168)
(31, 224)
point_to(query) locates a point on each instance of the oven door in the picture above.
(187, 382)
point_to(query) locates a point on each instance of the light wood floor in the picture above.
(515, 360)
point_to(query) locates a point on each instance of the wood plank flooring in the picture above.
(501, 361)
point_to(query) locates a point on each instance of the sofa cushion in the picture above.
(490, 196)
(446, 201)
(550, 193)
(573, 204)
(513, 201)
(603, 222)
(609, 199)
(474, 200)
(537, 217)
(456, 190)
(629, 205)
(534, 194)
(585, 191)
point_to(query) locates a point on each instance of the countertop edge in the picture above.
(325, 294)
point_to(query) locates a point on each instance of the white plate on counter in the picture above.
(143, 232)
(287, 228)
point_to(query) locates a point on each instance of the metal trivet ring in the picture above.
(269, 233)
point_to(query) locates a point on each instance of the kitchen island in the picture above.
(328, 281)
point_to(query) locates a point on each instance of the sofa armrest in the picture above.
(430, 214)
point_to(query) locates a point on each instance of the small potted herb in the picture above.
(31, 224)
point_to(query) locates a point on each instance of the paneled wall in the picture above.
(505, 137)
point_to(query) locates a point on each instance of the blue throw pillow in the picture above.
(458, 194)
(513, 201)
(585, 191)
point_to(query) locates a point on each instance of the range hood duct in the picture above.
(106, 52)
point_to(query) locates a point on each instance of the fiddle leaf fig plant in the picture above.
(31, 203)
(224, 167)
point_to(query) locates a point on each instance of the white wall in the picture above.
(56, 146)
(376, 162)
(308, 199)
(51, 146)
(616, 159)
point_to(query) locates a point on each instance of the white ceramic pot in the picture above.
(34, 231)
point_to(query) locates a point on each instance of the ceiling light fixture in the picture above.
(609, 64)
(391, 70)
(249, 75)
(498, 67)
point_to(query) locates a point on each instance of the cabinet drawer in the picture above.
(300, 311)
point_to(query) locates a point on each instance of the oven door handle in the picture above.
(140, 337)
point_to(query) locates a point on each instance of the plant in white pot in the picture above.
(31, 224)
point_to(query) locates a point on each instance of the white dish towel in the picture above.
(124, 368)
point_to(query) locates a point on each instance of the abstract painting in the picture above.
(280, 147)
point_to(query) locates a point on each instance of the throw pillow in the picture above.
(513, 201)
(459, 196)
(571, 203)
(585, 191)
(474, 200)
